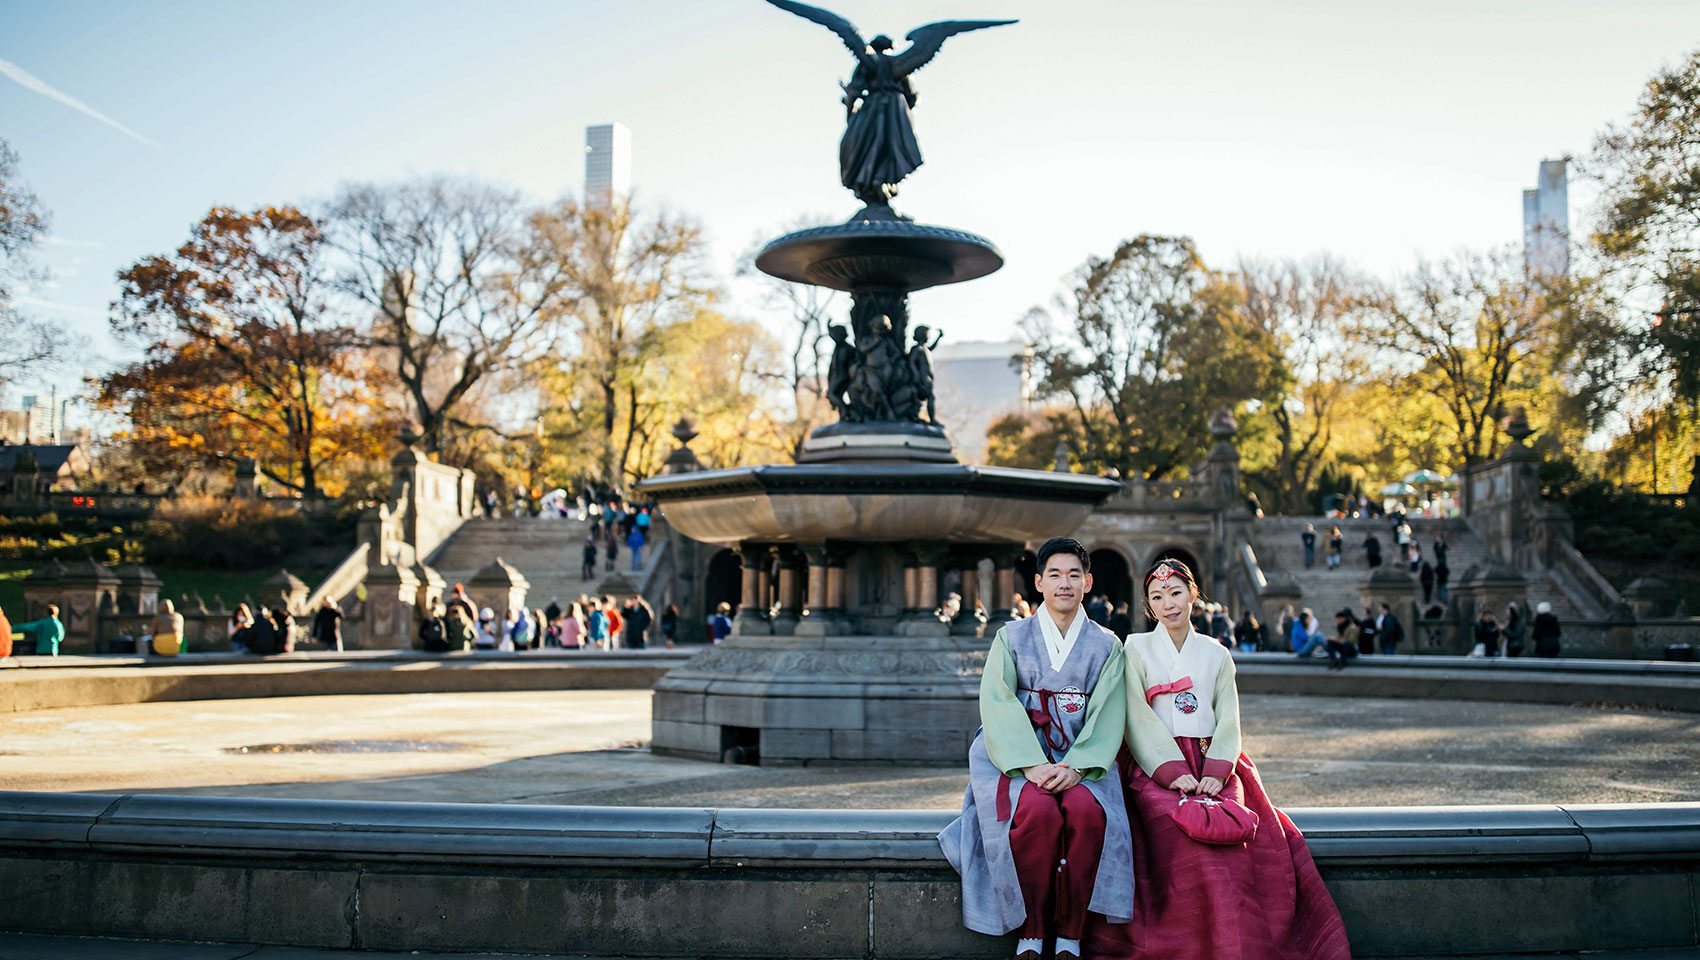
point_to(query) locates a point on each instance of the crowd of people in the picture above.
(587, 623)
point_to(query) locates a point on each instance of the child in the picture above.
(1043, 836)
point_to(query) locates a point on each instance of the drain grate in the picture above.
(351, 746)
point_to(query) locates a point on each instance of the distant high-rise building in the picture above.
(976, 383)
(607, 163)
(1546, 221)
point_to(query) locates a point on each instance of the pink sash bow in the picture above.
(1152, 693)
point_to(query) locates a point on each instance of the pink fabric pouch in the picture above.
(1214, 820)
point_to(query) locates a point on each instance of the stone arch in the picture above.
(722, 581)
(1112, 573)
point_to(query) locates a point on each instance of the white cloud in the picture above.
(30, 81)
(60, 307)
(63, 242)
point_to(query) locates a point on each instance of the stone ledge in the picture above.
(1418, 881)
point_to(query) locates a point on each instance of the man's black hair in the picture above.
(1057, 545)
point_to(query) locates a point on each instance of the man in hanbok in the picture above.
(1043, 837)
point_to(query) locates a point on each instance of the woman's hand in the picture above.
(1209, 787)
(1185, 783)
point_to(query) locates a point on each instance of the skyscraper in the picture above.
(607, 163)
(1546, 221)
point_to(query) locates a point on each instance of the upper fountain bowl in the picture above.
(896, 254)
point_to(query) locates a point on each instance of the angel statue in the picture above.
(879, 148)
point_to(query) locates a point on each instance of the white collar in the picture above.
(1057, 643)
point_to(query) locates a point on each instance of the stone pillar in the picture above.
(752, 611)
(85, 589)
(1488, 585)
(390, 619)
(138, 589)
(499, 587)
(247, 485)
(431, 590)
(911, 583)
(968, 620)
(288, 588)
(924, 620)
(791, 577)
(825, 615)
(1001, 609)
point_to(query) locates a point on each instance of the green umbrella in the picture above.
(1398, 490)
(1425, 477)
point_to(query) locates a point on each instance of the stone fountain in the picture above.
(841, 651)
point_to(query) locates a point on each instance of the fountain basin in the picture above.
(876, 502)
(896, 254)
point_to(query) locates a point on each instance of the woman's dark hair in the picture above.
(1056, 545)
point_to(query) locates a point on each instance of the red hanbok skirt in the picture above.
(1193, 900)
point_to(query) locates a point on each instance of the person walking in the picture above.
(669, 622)
(47, 632)
(611, 548)
(1389, 630)
(327, 625)
(1442, 573)
(1414, 556)
(1308, 538)
(638, 617)
(1372, 550)
(1425, 576)
(458, 598)
(1545, 631)
(1515, 628)
(1440, 550)
(1336, 547)
(434, 631)
(1487, 635)
(634, 543)
(572, 629)
(489, 634)
(720, 625)
(167, 630)
(1248, 633)
(596, 626)
(588, 570)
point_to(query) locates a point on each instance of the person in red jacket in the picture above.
(5, 635)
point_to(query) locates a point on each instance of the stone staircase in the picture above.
(547, 552)
(1278, 547)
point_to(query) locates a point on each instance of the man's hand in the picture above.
(1209, 787)
(1185, 783)
(1052, 777)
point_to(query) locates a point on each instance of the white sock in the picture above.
(1065, 945)
(1029, 943)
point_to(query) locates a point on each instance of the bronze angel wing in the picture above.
(845, 29)
(924, 42)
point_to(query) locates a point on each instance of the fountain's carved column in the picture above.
(826, 591)
(922, 620)
(1001, 609)
(911, 581)
(752, 612)
(967, 622)
(792, 573)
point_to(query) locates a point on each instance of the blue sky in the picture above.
(1379, 132)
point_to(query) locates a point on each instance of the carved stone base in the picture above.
(785, 701)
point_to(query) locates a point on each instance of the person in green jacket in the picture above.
(47, 631)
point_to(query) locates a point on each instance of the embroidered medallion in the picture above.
(1071, 699)
(1186, 702)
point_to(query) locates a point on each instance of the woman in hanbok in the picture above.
(1258, 900)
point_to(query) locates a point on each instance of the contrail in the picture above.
(32, 82)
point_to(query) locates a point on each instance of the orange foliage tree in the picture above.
(243, 355)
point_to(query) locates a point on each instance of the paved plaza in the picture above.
(586, 747)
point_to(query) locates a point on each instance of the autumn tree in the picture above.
(1141, 349)
(242, 355)
(23, 227)
(808, 308)
(456, 291)
(630, 280)
(1309, 315)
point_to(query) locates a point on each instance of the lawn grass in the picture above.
(229, 585)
